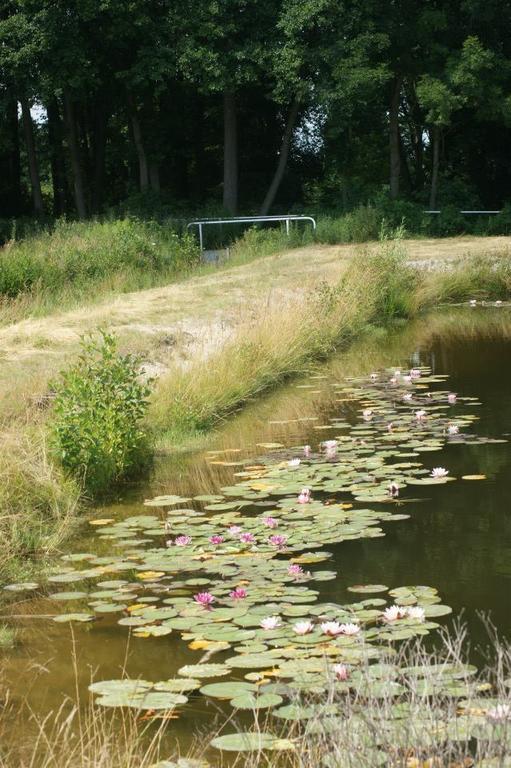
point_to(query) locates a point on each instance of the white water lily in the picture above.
(453, 429)
(416, 612)
(407, 397)
(394, 613)
(420, 415)
(472, 302)
(331, 628)
(270, 622)
(350, 629)
(415, 373)
(303, 627)
(439, 472)
(407, 378)
(293, 463)
(374, 376)
(367, 414)
(499, 713)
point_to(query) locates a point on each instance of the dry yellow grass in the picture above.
(185, 321)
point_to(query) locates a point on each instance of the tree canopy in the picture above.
(252, 106)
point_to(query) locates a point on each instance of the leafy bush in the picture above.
(99, 405)
(80, 254)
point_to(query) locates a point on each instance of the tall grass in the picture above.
(278, 344)
(37, 503)
(77, 260)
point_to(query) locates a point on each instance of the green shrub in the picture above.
(99, 406)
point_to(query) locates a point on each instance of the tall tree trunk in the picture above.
(435, 138)
(230, 153)
(395, 155)
(33, 167)
(100, 122)
(10, 164)
(58, 170)
(143, 167)
(282, 162)
(75, 154)
(154, 176)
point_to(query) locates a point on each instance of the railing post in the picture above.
(287, 227)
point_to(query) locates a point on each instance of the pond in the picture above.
(454, 537)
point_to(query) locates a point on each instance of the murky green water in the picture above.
(458, 538)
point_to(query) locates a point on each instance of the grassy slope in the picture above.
(219, 338)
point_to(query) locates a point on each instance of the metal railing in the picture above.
(482, 213)
(247, 220)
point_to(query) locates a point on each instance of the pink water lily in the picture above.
(204, 598)
(247, 538)
(415, 373)
(452, 397)
(393, 380)
(305, 496)
(307, 451)
(270, 622)
(330, 447)
(238, 594)
(500, 713)
(216, 539)
(277, 541)
(271, 522)
(420, 415)
(407, 378)
(439, 472)
(182, 541)
(341, 672)
(234, 530)
(390, 426)
(303, 627)
(394, 489)
(295, 570)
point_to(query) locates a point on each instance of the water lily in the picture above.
(367, 414)
(453, 429)
(271, 522)
(341, 672)
(420, 415)
(473, 302)
(439, 472)
(498, 303)
(407, 378)
(330, 445)
(234, 530)
(331, 628)
(307, 451)
(295, 570)
(293, 463)
(499, 713)
(303, 627)
(350, 629)
(415, 373)
(204, 598)
(390, 426)
(393, 380)
(182, 541)
(277, 541)
(247, 538)
(416, 612)
(394, 489)
(407, 397)
(238, 594)
(373, 376)
(305, 496)
(216, 539)
(394, 613)
(452, 397)
(270, 622)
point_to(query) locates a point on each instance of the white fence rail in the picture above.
(200, 224)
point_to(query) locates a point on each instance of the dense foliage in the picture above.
(180, 106)
(99, 405)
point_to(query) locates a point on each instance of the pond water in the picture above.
(457, 538)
